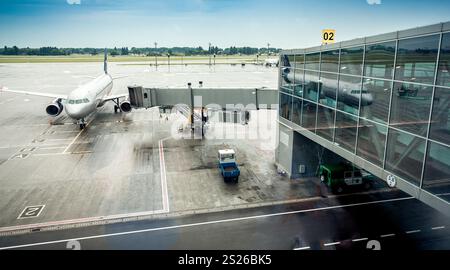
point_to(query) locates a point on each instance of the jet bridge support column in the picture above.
(191, 92)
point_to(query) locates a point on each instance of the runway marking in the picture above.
(387, 235)
(360, 239)
(438, 228)
(162, 164)
(206, 223)
(78, 135)
(414, 231)
(51, 148)
(332, 244)
(302, 248)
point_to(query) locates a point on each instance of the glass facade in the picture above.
(387, 102)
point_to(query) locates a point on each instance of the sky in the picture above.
(284, 24)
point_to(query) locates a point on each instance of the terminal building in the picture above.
(380, 102)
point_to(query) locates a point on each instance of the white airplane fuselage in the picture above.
(85, 100)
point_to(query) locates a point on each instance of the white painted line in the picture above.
(387, 235)
(360, 239)
(164, 190)
(438, 228)
(208, 223)
(73, 141)
(302, 248)
(51, 148)
(414, 231)
(49, 154)
(332, 244)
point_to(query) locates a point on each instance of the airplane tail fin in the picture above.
(105, 62)
(285, 61)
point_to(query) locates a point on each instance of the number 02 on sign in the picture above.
(328, 36)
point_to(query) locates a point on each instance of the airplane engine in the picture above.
(55, 108)
(125, 106)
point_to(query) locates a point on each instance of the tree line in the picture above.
(186, 51)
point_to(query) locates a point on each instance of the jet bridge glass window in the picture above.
(379, 61)
(444, 62)
(325, 122)
(371, 141)
(345, 131)
(404, 156)
(299, 61)
(311, 85)
(312, 61)
(437, 170)
(309, 115)
(416, 59)
(285, 106)
(328, 89)
(330, 61)
(410, 108)
(349, 94)
(440, 120)
(351, 60)
(375, 101)
(297, 110)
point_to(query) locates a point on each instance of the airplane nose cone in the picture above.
(75, 112)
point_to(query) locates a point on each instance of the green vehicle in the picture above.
(343, 176)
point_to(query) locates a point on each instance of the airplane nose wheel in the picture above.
(82, 124)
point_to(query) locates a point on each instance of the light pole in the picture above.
(209, 52)
(268, 49)
(156, 55)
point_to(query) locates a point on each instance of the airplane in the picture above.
(348, 93)
(271, 62)
(84, 100)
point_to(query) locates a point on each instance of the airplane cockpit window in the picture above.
(71, 101)
(85, 100)
(78, 101)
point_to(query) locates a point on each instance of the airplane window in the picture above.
(79, 101)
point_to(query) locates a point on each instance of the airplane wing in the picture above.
(112, 97)
(50, 95)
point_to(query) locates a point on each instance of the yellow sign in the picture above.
(328, 36)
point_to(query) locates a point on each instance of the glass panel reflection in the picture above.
(285, 106)
(371, 141)
(351, 60)
(328, 89)
(345, 132)
(330, 61)
(375, 100)
(349, 94)
(380, 60)
(416, 59)
(298, 85)
(312, 61)
(299, 61)
(309, 115)
(311, 85)
(404, 155)
(297, 110)
(440, 120)
(444, 62)
(410, 108)
(325, 122)
(437, 170)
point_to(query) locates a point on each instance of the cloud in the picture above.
(374, 2)
(74, 2)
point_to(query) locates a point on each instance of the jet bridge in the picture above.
(213, 98)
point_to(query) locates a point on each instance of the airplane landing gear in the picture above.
(116, 108)
(82, 124)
